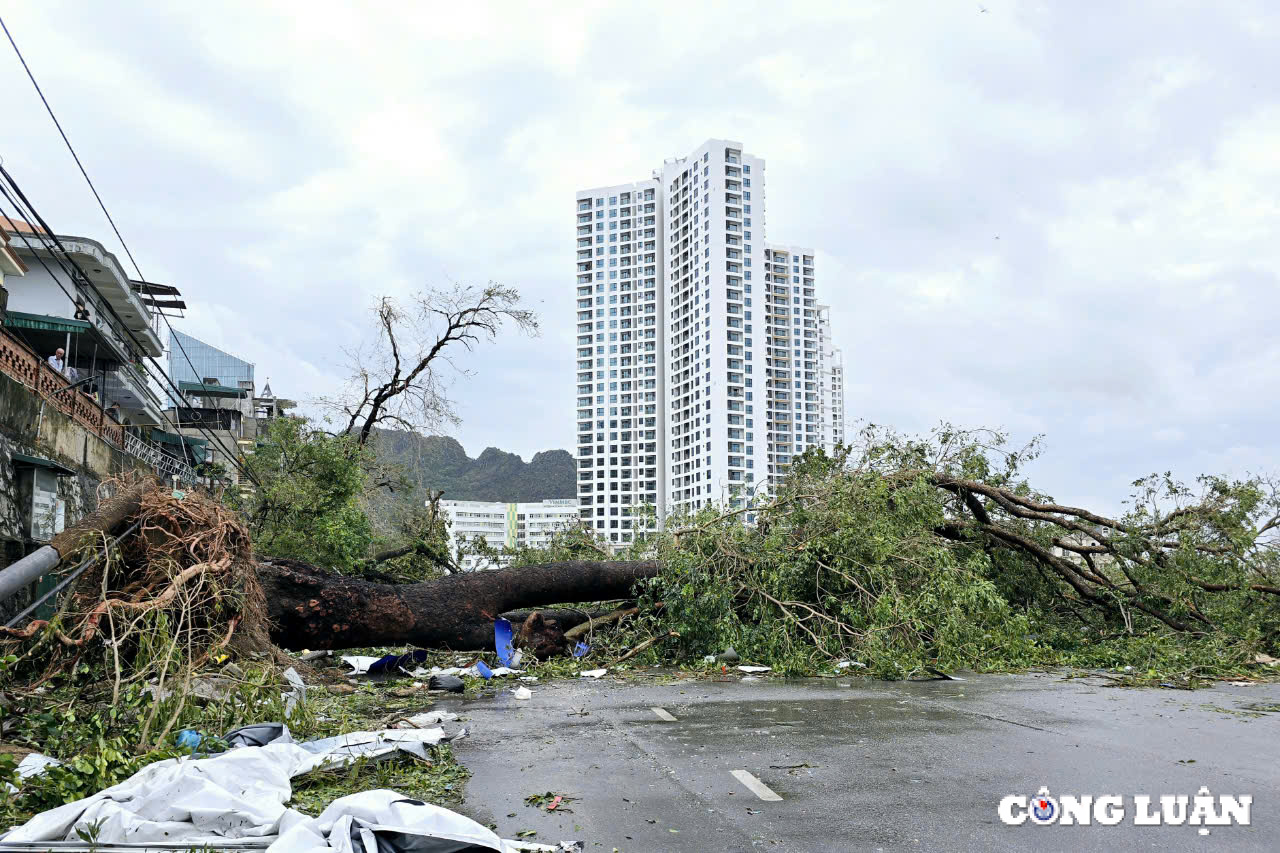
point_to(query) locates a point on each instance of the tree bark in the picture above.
(313, 609)
(112, 513)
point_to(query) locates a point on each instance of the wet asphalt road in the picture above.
(887, 766)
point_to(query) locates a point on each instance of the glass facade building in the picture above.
(208, 362)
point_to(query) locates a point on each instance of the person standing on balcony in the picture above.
(58, 360)
(113, 411)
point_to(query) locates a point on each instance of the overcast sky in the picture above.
(1059, 218)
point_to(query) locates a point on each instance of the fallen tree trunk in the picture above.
(313, 609)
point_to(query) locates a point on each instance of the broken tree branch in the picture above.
(591, 624)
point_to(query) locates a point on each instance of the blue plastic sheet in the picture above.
(580, 650)
(189, 739)
(502, 641)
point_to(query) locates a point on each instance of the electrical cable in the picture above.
(48, 235)
(101, 204)
(84, 276)
(63, 134)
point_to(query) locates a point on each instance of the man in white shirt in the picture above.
(58, 360)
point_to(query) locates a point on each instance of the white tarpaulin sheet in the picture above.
(238, 794)
(382, 821)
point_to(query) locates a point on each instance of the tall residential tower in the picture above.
(705, 360)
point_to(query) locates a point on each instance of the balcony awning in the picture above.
(38, 462)
(200, 389)
(45, 323)
(45, 333)
(174, 438)
(198, 445)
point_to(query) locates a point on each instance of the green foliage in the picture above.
(571, 543)
(419, 537)
(907, 553)
(97, 749)
(309, 504)
(102, 742)
(440, 780)
(843, 564)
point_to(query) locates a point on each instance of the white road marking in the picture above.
(663, 714)
(756, 787)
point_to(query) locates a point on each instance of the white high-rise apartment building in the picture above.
(705, 361)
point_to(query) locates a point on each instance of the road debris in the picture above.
(551, 801)
(750, 669)
(241, 794)
(426, 718)
(502, 642)
(522, 693)
(369, 665)
(593, 673)
(32, 764)
(296, 693)
(448, 683)
(387, 822)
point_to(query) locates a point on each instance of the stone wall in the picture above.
(46, 433)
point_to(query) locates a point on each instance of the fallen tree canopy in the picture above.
(902, 555)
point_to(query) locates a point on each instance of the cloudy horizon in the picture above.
(1049, 218)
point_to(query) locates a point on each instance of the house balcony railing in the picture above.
(156, 459)
(19, 362)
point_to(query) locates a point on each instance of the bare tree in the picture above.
(400, 380)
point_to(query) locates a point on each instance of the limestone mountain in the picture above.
(440, 462)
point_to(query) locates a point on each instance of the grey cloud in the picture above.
(1124, 310)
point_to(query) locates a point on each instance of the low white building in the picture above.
(506, 525)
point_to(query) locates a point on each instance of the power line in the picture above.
(63, 134)
(119, 236)
(70, 276)
(83, 277)
(47, 234)
(101, 204)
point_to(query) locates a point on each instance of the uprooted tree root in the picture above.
(182, 589)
